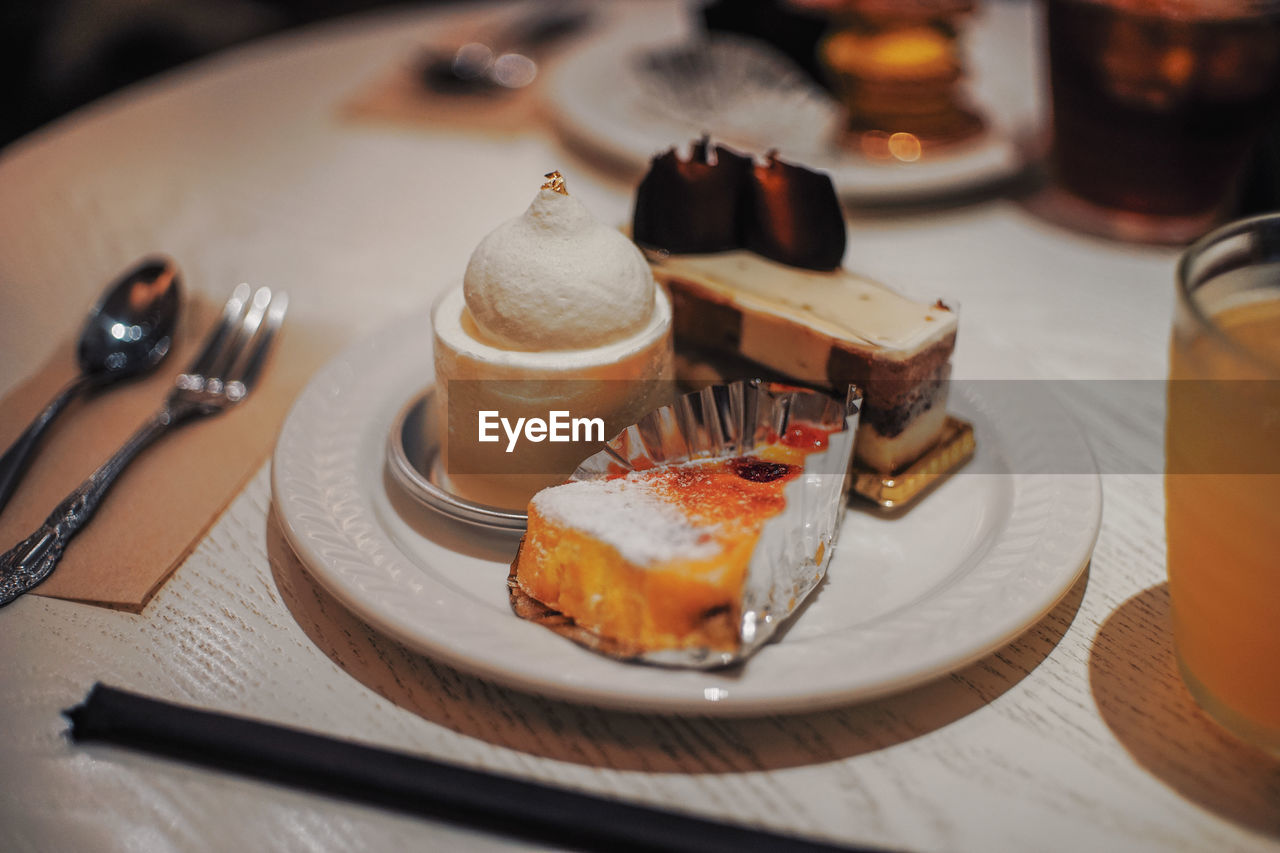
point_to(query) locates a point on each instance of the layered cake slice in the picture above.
(737, 313)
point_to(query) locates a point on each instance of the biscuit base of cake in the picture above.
(950, 451)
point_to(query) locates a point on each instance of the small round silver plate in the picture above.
(413, 458)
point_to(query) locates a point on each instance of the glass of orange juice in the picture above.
(1222, 476)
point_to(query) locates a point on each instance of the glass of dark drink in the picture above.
(1156, 107)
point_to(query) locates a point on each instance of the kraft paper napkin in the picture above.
(398, 97)
(168, 498)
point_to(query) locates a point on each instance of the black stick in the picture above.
(406, 782)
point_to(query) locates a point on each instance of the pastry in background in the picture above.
(897, 67)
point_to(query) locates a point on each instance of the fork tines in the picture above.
(237, 347)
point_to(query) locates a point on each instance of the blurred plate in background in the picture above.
(628, 97)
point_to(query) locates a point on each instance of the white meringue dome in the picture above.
(555, 278)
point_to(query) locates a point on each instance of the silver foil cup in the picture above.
(795, 546)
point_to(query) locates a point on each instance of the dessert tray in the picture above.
(628, 97)
(907, 597)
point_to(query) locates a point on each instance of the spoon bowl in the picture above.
(131, 328)
(128, 332)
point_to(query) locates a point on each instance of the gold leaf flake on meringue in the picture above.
(555, 182)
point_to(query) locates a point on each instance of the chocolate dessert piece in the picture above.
(692, 205)
(793, 217)
(719, 200)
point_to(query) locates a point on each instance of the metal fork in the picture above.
(222, 375)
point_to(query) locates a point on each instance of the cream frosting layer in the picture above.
(456, 339)
(555, 278)
(840, 304)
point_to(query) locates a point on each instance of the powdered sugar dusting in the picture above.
(627, 514)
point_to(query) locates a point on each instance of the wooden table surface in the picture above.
(1076, 736)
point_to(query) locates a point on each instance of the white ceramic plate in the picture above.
(906, 599)
(603, 98)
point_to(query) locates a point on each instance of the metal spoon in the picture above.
(127, 334)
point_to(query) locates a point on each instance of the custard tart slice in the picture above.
(697, 531)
